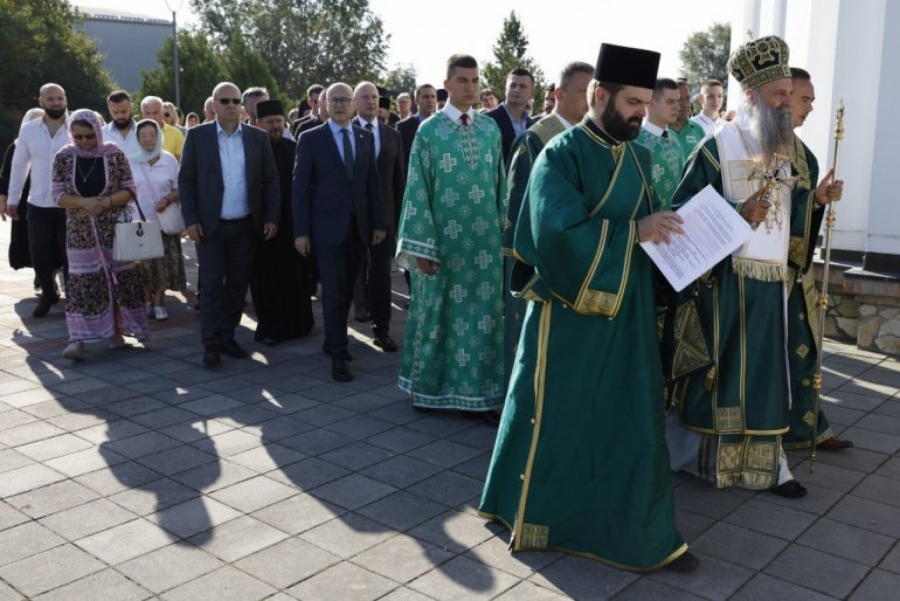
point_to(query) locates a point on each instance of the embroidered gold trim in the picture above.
(535, 536)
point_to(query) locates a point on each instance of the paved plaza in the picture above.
(138, 474)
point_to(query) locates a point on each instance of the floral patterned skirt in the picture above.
(167, 272)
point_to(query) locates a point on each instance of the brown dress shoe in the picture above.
(834, 444)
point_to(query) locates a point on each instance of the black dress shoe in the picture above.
(233, 349)
(43, 306)
(790, 490)
(684, 563)
(211, 357)
(340, 371)
(363, 316)
(492, 417)
(347, 356)
(384, 342)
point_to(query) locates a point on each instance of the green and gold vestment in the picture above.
(668, 164)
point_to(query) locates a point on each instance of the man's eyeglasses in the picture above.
(226, 101)
(340, 101)
(167, 114)
(81, 137)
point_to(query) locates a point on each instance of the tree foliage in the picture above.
(400, 78)
(510, 52)
(705, 54)
(245, 67)
(41, 42)
(303, 41)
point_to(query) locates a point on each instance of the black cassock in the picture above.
(19, 255)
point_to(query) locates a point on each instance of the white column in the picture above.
(779, 18)
(744, 25)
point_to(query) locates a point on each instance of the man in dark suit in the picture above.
(337, 212)
(311, 118)
(512, 115)
(228, 184)
(373, 285)
(426, 103)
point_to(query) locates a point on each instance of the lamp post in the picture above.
(175, 6)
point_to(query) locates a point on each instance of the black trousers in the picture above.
(47, 244)
(373, 285)
(226, 258)
(338, 268)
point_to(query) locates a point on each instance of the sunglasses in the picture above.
(229, 101)
(81, 137)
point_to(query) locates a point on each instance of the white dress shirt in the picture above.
(35, 151)
(454, 113)
(562, 120)
(708, 125)
(234, 173)
(655, 129)
(361, 122)
(129, 143)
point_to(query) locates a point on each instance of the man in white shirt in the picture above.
(38, 143)
(121, 128)
(710, 99)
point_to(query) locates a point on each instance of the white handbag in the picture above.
(137, 240)
(171, 221)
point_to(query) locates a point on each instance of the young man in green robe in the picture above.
(569, 109)
(734, 414)
(454, 208)
(803, 313)
(665, 150)
(687, 131)
(580, 463)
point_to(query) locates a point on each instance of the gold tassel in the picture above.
(755, 270)
(710, 381)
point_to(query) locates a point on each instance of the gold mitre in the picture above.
(760, 61)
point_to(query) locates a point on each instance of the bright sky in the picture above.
(425, 33)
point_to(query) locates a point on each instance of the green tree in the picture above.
(705, 54)
(200, 70)
(42, 41)
(303, 41)
(510, 52)
(245, 67)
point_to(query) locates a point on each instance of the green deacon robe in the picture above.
(668, 163)
(454, 207)
(740, 404)
(689, 137)
(580, 463)
(523, 153)
(802, 314)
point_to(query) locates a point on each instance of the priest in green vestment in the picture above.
(665, 150)
(733, 415)
(580, 463)
(569, 108)
(803, 314)
(450, 231)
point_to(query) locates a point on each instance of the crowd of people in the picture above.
(530, 299)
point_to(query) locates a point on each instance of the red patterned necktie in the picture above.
(465, 119)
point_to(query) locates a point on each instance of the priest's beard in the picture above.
(616, 125)
(773, 128)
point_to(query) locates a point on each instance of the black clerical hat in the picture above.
(384, 102)
(267, 108)
(442, 95)
(627, 66)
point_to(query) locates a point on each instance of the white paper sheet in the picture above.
(712, 231)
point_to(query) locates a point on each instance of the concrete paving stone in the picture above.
(127, 376)
(890, 407)
(463, 578)
(315, 442)
(703, 498)
(495, 553)
(402, 510)
(287, 404)
(213, 475)
(196, 377)
(691, 525)
(15, 385)
(818, 500)
(362, 402)
(111, 431)
(526, 591)
(813, 569)
(52, 499)
(401, 440)
(169, 567)
(26, 540)
(153, 496)
(238, 538)
(168, 368)
(357, 456)
(298, 513)
(479, 437)
(768, 518)
(891, 562)
(400, 412)
(344, 581)
(84, 520)
(85, 461)
(78, 386)
(877, 585)
(348, 535)
(103, 397)
(890, 468)
(828, 476)
(73, 422)
(271, 456)
(11, 459)
(443, 424)
(880, 423)
(51, 448)
(7, 593)
(739, 545)
(200, 514)
(444, 453)
(107, 585)
(213, 405)
(179, 395)
(177, 459)
(50, 569)
(248, 415)
(117, 477)
(323, 415)
(401, 471)
(15, 417)
(456, 531)
(27, 478)
(448, 488)
(360, 426)
(195, 431)
(125, 541)
(475, 468)
(845, 397)
(861, 386)
(881, 489)
(402, 558)
(233, 442)
(287, 563)
(148, 443)
(766, 587)
(353, 491)
(324, 393)
(714, 579)
(28, 433)
(849, 542)
(280, 427)
(10, 516)
(253, 494)
(225, 584)
(650, 590)
(854, 459)
(31, 397)
(869, 515)
(163, 417)
(405, 594)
